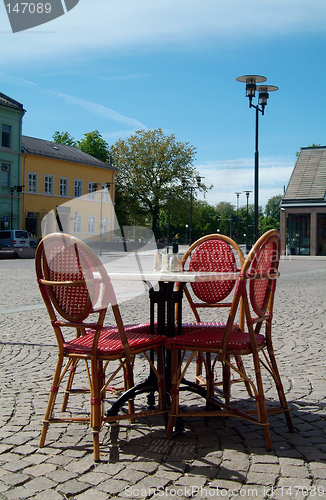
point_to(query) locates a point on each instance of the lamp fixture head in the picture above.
(264, 94)
(251, 81)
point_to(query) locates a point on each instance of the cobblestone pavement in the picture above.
(215, 458)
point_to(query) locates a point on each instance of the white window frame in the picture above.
(63, 186)
(77, 223)
(91, 224)
(105, 225)
(92, 188)
(105, 193)
(48, 184)
(5, 175)
(78, 188)
(32, 182)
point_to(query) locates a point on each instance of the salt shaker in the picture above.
(165, 261)
(173, 262)
(157, 261)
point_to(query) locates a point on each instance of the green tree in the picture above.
(150, 166)
(271, 217)
(273, 206)
(64, 138)
(205, 219)
(94, 145)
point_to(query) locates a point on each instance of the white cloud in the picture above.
(231, 176)
(100, 110)
(108, 26)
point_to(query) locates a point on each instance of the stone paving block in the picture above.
(92, 494)
(61, 476)
(95, 478)
(73, 487)
(263, 478)
(133, 476)
(15, 479)
(48, 495)
(40, 484)
(299, 471)
(40, 470)
(114, 486)
(19, 493)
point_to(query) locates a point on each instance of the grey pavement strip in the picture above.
(32, 307)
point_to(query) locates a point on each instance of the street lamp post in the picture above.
(251, 87)
(192, 188)
(19, 189)
(107, 186)
(247, 195)
(169, 212)
(238, 194)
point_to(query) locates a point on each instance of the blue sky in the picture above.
(122, 65)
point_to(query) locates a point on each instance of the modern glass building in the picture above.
(303, 208)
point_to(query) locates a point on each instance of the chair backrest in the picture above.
(72, 279)
(261, 270)
(263, 260)
(74, 284)
(212, 253)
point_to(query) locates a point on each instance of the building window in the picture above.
(298, 226)
(92, 187)
(5, 175)
(63, 186)
(6, 136)
(91, 224)
(48, 184)
(78, 188)
(32, 182)
(77, 223)
(105, 192)
(105, 225)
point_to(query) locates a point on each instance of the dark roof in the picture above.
(10, 103)
(308, 180)
(40, 147)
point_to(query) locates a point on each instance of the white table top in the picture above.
(170, 276)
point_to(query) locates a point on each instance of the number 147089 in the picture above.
(28, 8)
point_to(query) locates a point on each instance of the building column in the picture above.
(313, 232)
(283, 231)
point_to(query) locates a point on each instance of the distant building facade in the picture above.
(79, 189)
(11, 115)
(303, 208)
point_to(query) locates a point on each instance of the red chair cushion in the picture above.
(110, 343)
(211, 338)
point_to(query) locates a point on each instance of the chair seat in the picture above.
(211, 338)
(110, 343)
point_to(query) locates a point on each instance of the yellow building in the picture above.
(63, 181)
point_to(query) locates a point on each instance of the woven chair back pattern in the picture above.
(64, 262)
(265, 261)
(213, 256)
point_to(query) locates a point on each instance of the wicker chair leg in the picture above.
(174, 393)
(227, 381)
(280, 391)
(96, 445)
(69, 384)
(51, 401)
(43, 434)
(241, 368)
(162, 405)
